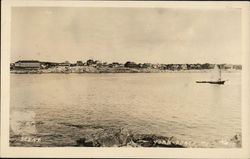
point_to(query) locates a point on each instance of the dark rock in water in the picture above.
(80, 142)
(106, 138)
(83, 142)
(145, 143)
(109, 142)
(149, 140)
(169, 146)
(113, 138)
(237, 139)
(90, 144)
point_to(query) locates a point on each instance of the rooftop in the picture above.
(28, 61)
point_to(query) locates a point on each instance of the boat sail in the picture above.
(216, 73)
(216, 77)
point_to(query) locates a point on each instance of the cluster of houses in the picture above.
(34, 64)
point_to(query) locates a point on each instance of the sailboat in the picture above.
(218, 80)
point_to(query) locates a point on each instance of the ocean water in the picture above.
(58, 109)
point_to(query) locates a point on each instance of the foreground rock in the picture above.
(120, 138)
(124, 138)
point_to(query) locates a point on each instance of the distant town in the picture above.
(96, 66)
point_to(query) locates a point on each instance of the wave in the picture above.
(80, 126)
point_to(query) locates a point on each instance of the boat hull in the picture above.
(211, 82)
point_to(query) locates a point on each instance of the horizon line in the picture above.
(123, 62)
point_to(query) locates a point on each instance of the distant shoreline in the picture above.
(90, 69)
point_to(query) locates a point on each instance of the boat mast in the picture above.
(220, 74)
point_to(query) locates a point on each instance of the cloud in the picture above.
(113, 34)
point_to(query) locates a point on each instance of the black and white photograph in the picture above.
(128, 76)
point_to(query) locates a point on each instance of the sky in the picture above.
(156, 35)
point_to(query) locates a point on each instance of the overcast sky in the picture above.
(154, 35)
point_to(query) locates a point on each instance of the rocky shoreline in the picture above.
(128, 140)
(123, 138)
(113, 137)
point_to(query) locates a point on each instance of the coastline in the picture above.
(124, 138)
(91, 69)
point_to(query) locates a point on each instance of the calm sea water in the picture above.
(61, 108)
